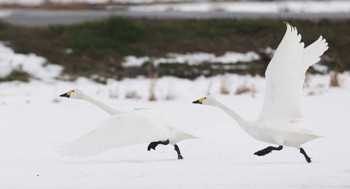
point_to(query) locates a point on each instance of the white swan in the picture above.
(125, 128)
(278, 122)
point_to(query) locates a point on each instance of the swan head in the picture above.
(200, 101)
(76, 93)
(206, 101)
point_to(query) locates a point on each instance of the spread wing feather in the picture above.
(285, 76)
(118, 131)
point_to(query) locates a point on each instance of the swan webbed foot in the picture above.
(267, 150)
(177, 149)
(153, 145)
(307, 158)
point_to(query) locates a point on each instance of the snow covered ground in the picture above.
(310, 6)
(192, 58)
(35, 66)
(37, 2)
(251, 6)
(34, 121)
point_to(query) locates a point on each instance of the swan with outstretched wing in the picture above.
(125, 128)
(278, 122)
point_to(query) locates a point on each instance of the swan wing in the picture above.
(285, 76)
(118, 131)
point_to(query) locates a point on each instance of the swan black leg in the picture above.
(176, 148)
(267, 150)
(153, 145)
(308, 159)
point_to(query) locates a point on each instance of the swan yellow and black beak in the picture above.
(199, 101)
(67, 94)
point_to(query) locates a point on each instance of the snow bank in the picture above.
(38, 2)
(206, 6)
(192, 58)
(172, 88)
(4, 13)
(37, 67)
(251, 6)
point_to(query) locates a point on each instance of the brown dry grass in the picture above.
(334, 82)
(132, 95)
(243, 89)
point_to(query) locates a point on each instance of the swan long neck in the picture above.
(101, 105)
(241, 121)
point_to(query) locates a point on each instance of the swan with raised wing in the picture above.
(278, 122)
(125, 128)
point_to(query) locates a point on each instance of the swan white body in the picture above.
(123, 128)
(278, 122)
(278, 132)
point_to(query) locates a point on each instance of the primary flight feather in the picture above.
(285, 76)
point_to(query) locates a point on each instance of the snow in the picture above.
(133, 61)
(320, 68)
(34, 65)
(4, 13)
(251, 6)
(312, 6)
(37, 2)
(35, 121)
(192, 58)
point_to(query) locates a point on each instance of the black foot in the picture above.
(307, 158)
(153, 145)
(267, 150)
(176, 148)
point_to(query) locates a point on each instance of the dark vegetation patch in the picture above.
(17, 75)
(99, 47)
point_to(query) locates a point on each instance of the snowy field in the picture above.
(37, 2)
(310, 6)
(251, 7)
(35, 121)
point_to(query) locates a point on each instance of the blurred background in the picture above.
(103, 39)
(164, 54)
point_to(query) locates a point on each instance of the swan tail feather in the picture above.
(182, 136)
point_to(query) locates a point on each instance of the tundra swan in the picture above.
(278, 122)
(125, 128)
